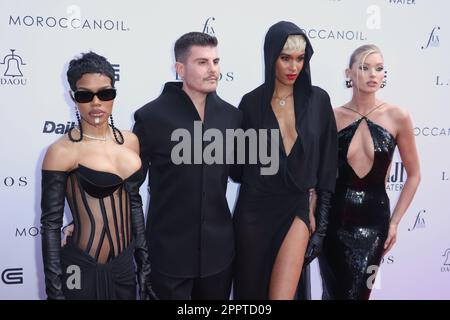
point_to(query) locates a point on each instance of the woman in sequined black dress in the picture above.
(97, 169)
(361, 229)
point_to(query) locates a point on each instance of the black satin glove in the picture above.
(316, 241)
(52, 212)
(141, 256)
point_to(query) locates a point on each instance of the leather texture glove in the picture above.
(316, 241)
(52, 212)
(141, 255)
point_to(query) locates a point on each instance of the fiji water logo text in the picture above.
(402, 1)
(397, 178)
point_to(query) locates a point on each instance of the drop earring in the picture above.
(115, 131)
(80, 129)
(383, 84)
(348, 83)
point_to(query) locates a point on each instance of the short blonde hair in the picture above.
(295, 42)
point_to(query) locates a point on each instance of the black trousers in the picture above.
(214, 287)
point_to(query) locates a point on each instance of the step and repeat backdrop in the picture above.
(39, 38)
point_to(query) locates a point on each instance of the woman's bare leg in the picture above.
(289, 262)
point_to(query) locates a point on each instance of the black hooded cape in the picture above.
(268, 204)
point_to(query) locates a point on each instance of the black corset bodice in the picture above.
(100, 206)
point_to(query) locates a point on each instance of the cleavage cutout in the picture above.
(361, 150)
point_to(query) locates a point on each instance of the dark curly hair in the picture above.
(88, 63)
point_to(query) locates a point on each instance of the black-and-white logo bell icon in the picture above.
(13, 63)
(447, 257)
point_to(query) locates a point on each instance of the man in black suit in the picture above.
(189, 227)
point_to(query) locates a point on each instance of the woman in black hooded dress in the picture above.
(272, 220)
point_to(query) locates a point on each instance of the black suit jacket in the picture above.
(189, 225)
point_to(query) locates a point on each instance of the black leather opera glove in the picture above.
(141, 256)
(321, 214)
(52, 212)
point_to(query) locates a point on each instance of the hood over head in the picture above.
(273, 44)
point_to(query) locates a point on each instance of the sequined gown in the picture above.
(359, 219)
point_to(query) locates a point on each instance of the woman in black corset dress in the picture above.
(361, 229)
(272, 216)
(97, 169)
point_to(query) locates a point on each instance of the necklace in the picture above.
(282, 101)
(92, 137)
